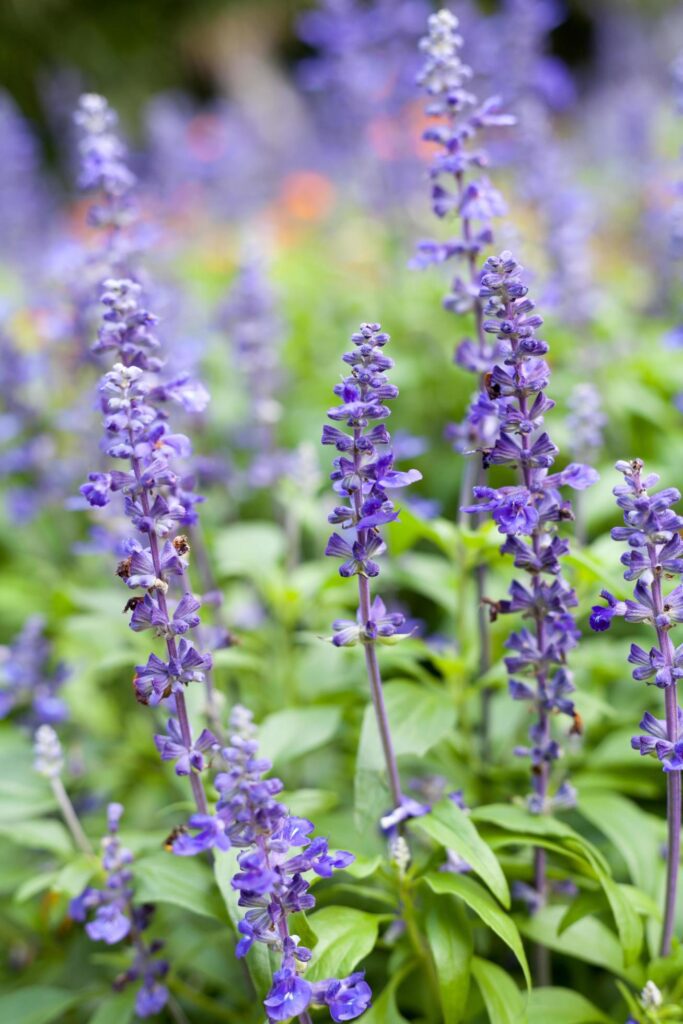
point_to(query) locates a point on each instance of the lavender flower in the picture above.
(29, 684)
(104, 165)
(528, 514)
(112, 916)
(157, 502)
(49, 762)
(361, 78)
(363, 473)
(472, 200)
(277, 851)
(652, 531)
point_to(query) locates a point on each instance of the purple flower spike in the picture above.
(29, 683)
(460, 191)
(277, 851)
(528, 514)
(652, 531)
(363, 475)
(115, 916)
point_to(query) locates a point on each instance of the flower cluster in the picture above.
(103, 162)
(157, 499)
(29, 685)
(277, 851)
(651, 530)
(527, 514)
(112, 915)
(471, 199)
(364, 469)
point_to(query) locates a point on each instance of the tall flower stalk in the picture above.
(652, 531)
(137, 434)
(112, 915)
(276, 853)
(469, 198)
(49, 762)
(528, 513)
(363, 473)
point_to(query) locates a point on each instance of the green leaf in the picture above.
(583, 905)
(419, 718)
(514, 819)
(629, 925)
(633, 832)
(181, 881)
(562, 1006)
(33, 885)
(479, 900)
(589, 939)
(37, 1004)
(451, 827)
(257, 959)
(345, 937)
(117, 1010)
(74, 877)
(504, 1002)
(45, 834)
(296, 731)
(450, 940)
(249, 549)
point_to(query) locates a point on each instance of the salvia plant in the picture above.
(363, 473)
(528, 513)
(652, 531)
(373, 763)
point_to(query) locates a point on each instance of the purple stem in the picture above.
(374, 675)
(673, 779)
(377, 693)
(181, 707)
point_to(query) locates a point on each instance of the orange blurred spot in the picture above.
(307, 195)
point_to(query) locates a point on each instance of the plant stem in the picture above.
(70, 817)
(181, 707)
(377, 693)
(372, 664)
(673, 779)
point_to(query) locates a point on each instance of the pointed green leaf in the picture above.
(451, 827)
(181, 881)
(589, 940)
(504, 1003)
(450, 940)
(562, 1006)
(479, 900)
(295, 731)
(345, 937)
